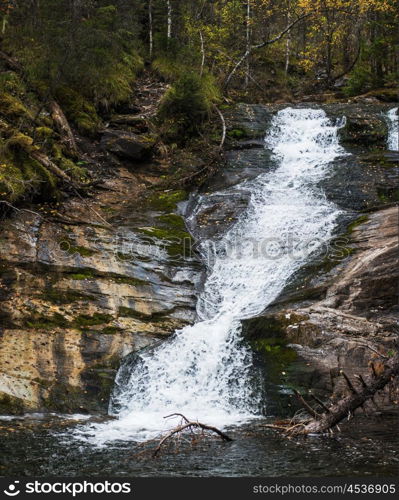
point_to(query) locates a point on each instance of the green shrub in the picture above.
(360, 81)
(77, 109)
(186, 105)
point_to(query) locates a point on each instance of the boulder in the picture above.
(127, 145)
(137, 122)
(364, 129)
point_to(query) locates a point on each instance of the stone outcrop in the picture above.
(82, 286)
(85, 284)
(341, 309)
(357, 315)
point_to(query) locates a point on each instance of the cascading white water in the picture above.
(205, 371)
(393, 129)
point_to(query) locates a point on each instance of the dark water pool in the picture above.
(367, 446)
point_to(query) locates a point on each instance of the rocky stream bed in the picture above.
(87, 282)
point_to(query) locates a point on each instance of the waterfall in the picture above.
(393, 129)
(205, 371)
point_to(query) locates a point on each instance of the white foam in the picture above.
(205, 371)
(393, 129)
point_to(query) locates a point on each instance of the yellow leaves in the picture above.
(361, 6)
(308, 58)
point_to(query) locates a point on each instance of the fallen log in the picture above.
(63, 126)
(333, 414)
(347, 406)
(45, 161)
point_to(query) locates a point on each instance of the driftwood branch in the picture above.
(320, 402)
(346, 407)
(349, 383)
(306, 406)
(188, 425)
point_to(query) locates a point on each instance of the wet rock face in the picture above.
(364, 122)
(341, 308)
(77, 294)
(355, 317)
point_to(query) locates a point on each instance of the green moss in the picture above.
(84, 274)
(12, 107)
(20, 140)
(237, 134)
(11, 405)
(67, 245)
(173, 220)
(127, 280)
(44, 132)
(85, 320)
(127, 312)
(11, 82)
(275, 348)
(167, 200)
(40, 322)
(60, 297)
(360, 220)
(111, 330)
(175, 241)
(169, 234)
(79, 111)
(20, 175)
(73, 170)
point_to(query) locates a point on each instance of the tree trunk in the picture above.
(288, 40)
(202, 53)
(63, 126)
(248, 42)
(150, 28)
(170, 12)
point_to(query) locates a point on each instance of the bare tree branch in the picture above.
(188, 425)
(224, 128)
(261, 45)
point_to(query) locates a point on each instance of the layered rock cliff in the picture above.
(85, 283)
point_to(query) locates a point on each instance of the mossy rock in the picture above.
(41, 322)
(173, 220)
(238, 133)
(69, 247)
(79, 110)
(44, 132)
(12, 107)
(166, 201)
(85, 320)
(364, 129)
(11, 405)
(176, 242)
(61, 297)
